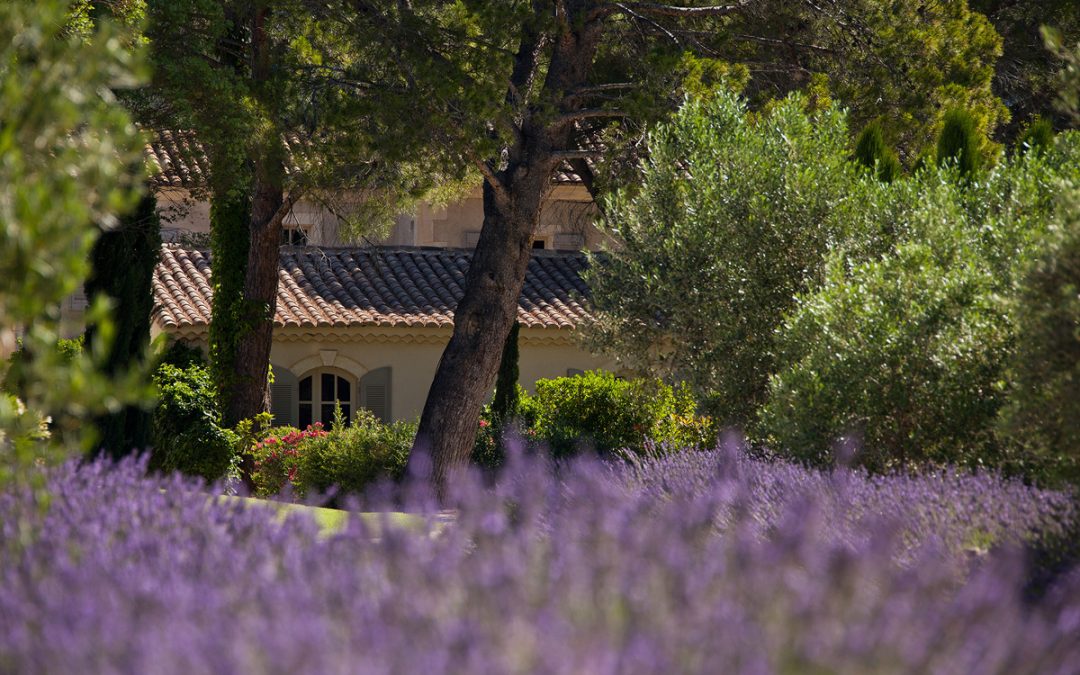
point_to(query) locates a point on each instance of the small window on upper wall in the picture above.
(294, 235)
(319, 393)
(539, 244)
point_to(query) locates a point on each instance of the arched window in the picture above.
(317, 395)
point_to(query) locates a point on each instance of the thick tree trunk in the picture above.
(250, 392)
(512, 201)
(482, 321)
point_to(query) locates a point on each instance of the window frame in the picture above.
(317, 400)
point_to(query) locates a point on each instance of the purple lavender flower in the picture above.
(697, 562)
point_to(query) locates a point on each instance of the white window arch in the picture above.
(318, 391)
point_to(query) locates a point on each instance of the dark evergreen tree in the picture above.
(122, 269)
(872, 152)
(959, 142)
(1037, 136)
(504, 406)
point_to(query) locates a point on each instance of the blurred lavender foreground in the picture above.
(700, 562)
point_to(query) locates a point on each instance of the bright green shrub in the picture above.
(730, 222)
(1042, 418)
(905, 356)
(354, 457)
(600, 412)
(187, 432)
(1038, 136)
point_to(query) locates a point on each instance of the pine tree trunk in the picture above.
(512, 202)
(482, 321)
(250, 394)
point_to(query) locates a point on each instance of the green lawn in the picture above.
(335, 520)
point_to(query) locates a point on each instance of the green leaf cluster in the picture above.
(1042, 417)
(188, 433)
(906, 347)
(65, 152)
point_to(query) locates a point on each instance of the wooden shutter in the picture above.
(375, 393)
(283, 396)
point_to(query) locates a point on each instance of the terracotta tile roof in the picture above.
(177, 159)
(373, 286)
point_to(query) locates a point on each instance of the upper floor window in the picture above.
(294, 235)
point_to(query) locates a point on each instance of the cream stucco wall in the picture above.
(412, 355)
(565, 221)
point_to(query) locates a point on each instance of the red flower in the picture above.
(292, 474)
(484, 423)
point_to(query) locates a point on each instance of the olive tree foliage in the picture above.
(66, 149)
(905, 347)
(731, 220)
(1042, 417)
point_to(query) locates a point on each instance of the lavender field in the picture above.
(700, 562)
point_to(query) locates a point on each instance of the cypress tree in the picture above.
(122, 269)
(872, 152)
(959, 142)
(504, 406)
(1038, 137)
(230, 212)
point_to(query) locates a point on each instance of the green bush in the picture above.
(352, 458)
(187, 432)
(276, 457)
(904, 356)
(960, 143)
(1042, 418)
(730, 222)
(872, 152)
(600, 412)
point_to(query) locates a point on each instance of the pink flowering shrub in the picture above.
(277, 458)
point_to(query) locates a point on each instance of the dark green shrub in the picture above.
(872, 152)
(354, 457)
(182, 355)
(959, 142)
(598, 411)
(504, 403)
(1042, 418)
(187, 432)
(122, 270)
(1038, 136)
